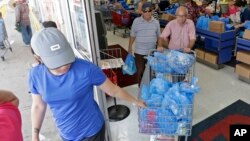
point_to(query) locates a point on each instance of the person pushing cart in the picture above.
(169, 111)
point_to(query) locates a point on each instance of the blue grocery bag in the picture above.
(129, 67)
(247, 25)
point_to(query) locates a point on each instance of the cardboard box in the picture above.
(168, 17)
(217, 26)
(243, 70)
(211, 57)
(243, 56)
(200, 53)
(246, 34)
(173, 1)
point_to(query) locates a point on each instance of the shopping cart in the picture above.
(171, 119)
(111, 60)
(107, 15)
(4, 48)
(121, 20)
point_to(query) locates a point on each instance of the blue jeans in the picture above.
(26, 33)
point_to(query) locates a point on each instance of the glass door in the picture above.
(80, 30)
(84, 31)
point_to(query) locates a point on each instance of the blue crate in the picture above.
(220, 43)
(209, 43)
(228, 35)
(243, 44)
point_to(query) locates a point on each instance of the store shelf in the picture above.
(228, 35)
(243, 44)
(220, 43)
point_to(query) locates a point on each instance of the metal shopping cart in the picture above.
(159, 120)
(107, 15)
(4, 48)
(121, 20)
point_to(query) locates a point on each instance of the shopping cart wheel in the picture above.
(2, 57)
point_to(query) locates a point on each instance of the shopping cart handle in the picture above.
(150, 52)
(180, 50)
(191, 51)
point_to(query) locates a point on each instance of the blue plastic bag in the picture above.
(180, 62)
(145, 95)
(225, 20)
(229, 27)
(215, 18)
(192, 87)
(166, 121)
(199, 22)
(247, 25)
(159, 86)
(205, 23)
(129, 67)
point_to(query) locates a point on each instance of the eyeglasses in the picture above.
(181, 16)
(145, 11)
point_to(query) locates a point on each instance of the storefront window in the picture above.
(51, 11)
(80, 26)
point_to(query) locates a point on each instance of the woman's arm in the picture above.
(239, 25)
(38, 110)
(115, 91)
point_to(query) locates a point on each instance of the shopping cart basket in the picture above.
(107, 15)
(121, 20)
(4, 48)
(166, 119)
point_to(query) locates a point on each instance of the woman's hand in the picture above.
(237, 26)
(140, 103)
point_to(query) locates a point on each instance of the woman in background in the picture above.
(140, 6)
(244, 14)
(194, 10)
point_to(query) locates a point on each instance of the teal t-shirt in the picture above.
(70, 98)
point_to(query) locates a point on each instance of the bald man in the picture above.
(10, 117)
(179, 33)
